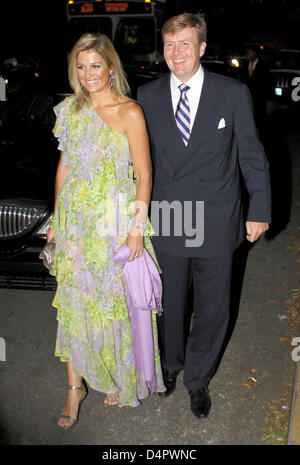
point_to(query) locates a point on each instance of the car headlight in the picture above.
(235, 62)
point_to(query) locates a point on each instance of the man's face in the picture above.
(250, 55)
(182, 52)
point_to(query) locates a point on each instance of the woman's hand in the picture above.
(50, 235)
(135, 243)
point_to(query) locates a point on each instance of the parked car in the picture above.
(29, 157)
(285, 67)
(215, 66)
(28, 162)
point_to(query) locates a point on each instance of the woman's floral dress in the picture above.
(96, 204)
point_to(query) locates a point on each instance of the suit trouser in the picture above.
(211, 278)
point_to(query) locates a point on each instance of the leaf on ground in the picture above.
(239, 433)
(251, 383)
(280, 401)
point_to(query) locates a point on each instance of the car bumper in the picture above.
(26, 271)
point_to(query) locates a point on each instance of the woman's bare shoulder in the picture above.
(129, 109)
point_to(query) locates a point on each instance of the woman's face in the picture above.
(93, 72)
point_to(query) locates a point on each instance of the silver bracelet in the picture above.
(140, 224)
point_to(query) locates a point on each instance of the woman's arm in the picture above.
(61, 173)
(137, 135)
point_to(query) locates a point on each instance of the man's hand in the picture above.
(255, 229)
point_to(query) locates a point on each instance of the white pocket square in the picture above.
(221, 123)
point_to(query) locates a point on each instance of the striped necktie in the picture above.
(182, 115)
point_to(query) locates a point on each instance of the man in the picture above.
(201, 138)
(256, 75)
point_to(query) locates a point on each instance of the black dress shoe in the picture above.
(200, 402)
(169, 377)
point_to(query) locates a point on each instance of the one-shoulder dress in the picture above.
(95, 206)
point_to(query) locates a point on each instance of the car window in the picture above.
(41, 113)
(29, 110)
(79, 26)
(13, 111)
(135, 35)
(287, 60)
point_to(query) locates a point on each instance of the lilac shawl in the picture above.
(145, 289)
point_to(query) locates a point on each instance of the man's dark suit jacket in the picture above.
(208, 168)
(258, 84)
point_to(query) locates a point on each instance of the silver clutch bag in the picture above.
(47, 255)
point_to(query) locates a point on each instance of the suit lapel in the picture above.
(178, 154)
(166, 113)
(205, 120)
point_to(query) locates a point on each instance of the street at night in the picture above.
(256, 390)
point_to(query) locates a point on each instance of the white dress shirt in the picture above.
(193, 94)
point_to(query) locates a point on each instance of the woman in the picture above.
(101, 134)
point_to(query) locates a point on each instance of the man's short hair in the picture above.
(179, 22)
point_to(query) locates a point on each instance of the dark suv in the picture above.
(285, 75)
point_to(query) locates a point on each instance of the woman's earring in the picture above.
(111, 79)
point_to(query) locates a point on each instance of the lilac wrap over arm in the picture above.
(145, 289)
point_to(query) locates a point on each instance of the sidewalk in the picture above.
(294, 423)
(255, 393)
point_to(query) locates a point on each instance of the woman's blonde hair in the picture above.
(102, 45)
(179, 22)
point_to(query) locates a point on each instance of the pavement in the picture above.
(256, 390)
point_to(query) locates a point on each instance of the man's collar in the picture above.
(198, 76)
